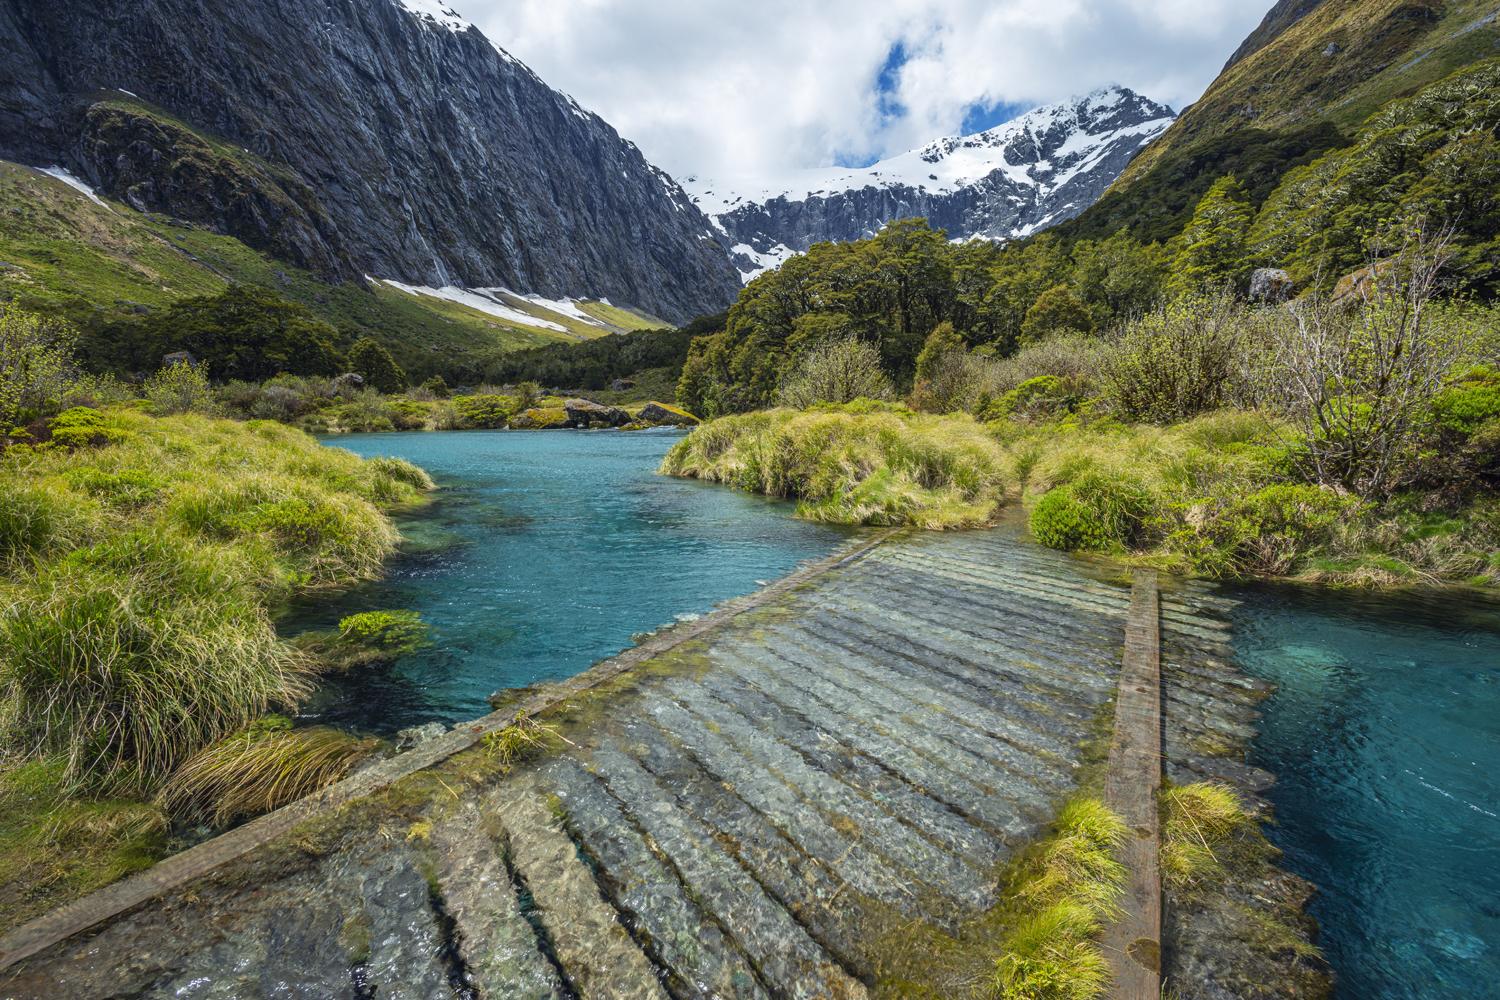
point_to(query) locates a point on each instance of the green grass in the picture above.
(626, 320)
(1060, 896)
(135, 629)
(258, 769)
(885, 468)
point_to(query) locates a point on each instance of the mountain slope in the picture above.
(65, 251)
(1012, 180)
(1298, 87)
(377, 137)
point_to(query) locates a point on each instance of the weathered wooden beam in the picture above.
(1133, 943)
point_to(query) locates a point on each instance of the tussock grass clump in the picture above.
(522, 739)
(1062, 893)
(258, 769)
(133, 622)
(884, 467)
(1197, 822)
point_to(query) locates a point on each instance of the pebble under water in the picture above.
(544, 552)
(1384, 735)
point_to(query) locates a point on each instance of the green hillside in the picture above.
(99, 264)
(1308, 86)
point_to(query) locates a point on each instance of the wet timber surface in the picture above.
(777, 807)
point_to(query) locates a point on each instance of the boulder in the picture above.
(1270, 285)
(587, 413)
(621, 384)
(407, 739)
(1360, 286)
(661, 413)
(348, 382)
(541, 418)
(179, 358)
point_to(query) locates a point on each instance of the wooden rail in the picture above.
(1133, 944)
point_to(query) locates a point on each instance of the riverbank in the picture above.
(139, 667)
(1216, 496)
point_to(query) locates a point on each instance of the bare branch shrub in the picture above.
(1356, 377)
(836, 372)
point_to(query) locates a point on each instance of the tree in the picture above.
(837, 372)
(940, 370)
(375, 363)
(1118, 278)
(1057, 310)
(36, 364)
(1213, 251)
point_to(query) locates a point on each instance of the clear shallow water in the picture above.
(1384, 734)
(544, 553)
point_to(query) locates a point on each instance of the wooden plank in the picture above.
(198, 861)
(1133, 944)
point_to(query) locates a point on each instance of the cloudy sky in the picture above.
(735, 88)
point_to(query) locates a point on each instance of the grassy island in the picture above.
(142, 557)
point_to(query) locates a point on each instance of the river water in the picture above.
(1384, 734)
(544, 552)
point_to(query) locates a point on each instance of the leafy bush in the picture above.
(179, 388)
(1178, 361)
(83, 427)
(1095, 511)
(36, 364)
(485, 411)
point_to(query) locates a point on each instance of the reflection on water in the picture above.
(1384, 733)
(545, 552)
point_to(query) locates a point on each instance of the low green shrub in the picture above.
(487, 411)
(1096, 511)
(84, 427)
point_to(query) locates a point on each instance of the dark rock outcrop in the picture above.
(353, 138)
(662, 414)
(587, 413)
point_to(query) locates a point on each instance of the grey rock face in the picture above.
(1039, 170)
(587, 413)
(1270, 284)
(353, 138)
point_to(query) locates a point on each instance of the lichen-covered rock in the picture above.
(662, 413)
(541, 418)
(1270, 284)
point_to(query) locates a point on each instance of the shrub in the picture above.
(377, 366)
(836, 372)
(1177, 362)
(179, 388)
(36, 364)
(1057, 310)
(1042, 398)
(1096, 511)
(1266, 531)
(485, 411)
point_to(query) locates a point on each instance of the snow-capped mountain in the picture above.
(384, 137)
(1012, 180)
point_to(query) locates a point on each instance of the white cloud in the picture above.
(725, 88)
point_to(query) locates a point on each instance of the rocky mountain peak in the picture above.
(1011, 180)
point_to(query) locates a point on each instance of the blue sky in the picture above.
(728, 89)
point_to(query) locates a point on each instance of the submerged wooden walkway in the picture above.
(793, 798)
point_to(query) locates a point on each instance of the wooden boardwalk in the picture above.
(785, 800)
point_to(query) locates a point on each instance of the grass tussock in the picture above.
(259, 769)
(134, 629)
(1062, 892)
(523, 739)
(878, 467)
(1198, 822)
